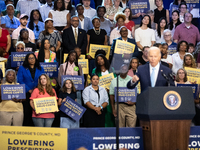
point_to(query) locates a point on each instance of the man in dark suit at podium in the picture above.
(153, 73)
(74, 37)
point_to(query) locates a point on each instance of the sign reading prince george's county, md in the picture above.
(17, 58)
(33, 138)
(125, 94)
(45, 105)
(13, 91)
(73, 109)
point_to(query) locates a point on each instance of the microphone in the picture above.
(171, 76)
(165, 76)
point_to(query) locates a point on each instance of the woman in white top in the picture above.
(60, 16)
(162, 25)
(144, 35)
(181, 77)
(177, 57)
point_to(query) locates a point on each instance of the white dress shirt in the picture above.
(73, 29)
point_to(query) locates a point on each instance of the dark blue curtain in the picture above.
(166, 3)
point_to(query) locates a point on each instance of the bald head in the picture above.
(154, 56)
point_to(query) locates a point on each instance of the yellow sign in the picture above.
(45, 105)
(2, 67)
(65, 57)
(105, 81)
(123, 47)
(33, 138)
(193, 74)
(84, 65)
(94, 48)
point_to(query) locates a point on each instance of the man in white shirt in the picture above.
(23, 22)
(26, 6)
(88, 11)
(44, 9)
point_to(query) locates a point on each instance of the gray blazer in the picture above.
(87, 24)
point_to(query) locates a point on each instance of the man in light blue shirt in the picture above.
(10, 22)
(44, 9)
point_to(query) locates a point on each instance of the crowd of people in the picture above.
(51, 29)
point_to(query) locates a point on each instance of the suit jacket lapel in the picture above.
(79, 34)
(159, 74)
(148, 74)
(72, 33)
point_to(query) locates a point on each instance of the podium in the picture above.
(165, 115)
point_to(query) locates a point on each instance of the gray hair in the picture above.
(20, 42)
(167, 30)
(153, 48)
(6, 73)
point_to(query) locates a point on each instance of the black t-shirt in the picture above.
(97, 39)
(159, 14)
(63, 95)
(30, 47)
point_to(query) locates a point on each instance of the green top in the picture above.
(15, 12)
(99, 73)
(122, 83)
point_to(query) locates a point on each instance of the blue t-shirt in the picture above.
(40, 29)
(172, 49)
(10, 23)
(172, 7)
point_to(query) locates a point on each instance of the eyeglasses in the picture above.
(31, 58)
(183, 7)
(37, 28)
(181, 73)
(167, 35)
(20, 48)
(12, 22)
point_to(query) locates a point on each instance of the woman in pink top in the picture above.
(134, 63)
(43, 90)
(70, 67)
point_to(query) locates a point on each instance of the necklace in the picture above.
(97, 32)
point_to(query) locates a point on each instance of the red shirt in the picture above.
(3, 41)
(190, 35)
(36, 94)
(130, 24)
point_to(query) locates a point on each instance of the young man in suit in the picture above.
(153, 73)
(74, 37)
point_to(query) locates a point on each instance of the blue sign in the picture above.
(139, 6)
(194, 88)
(17, 58)
(105, 138)
(51, 69)
(192, 4)
(125, 94)
(73, 109)
(194, 140)
(77, 80)
(13, 91)
(172, 49)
